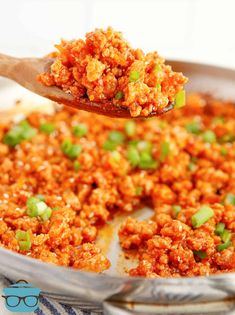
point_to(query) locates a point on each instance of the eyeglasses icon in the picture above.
(21, 297)
(13, 300)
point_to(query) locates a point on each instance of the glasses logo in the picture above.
(21, 297)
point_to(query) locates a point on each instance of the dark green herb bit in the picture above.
(47, 128)
(19, 133)
(119, 95)
(71, 150)
(223, 246)
(200, 253)
(23, 238)
(219, 229)
(134, 76)
(80, 130)
(202, 216)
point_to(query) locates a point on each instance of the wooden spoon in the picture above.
(25, 70)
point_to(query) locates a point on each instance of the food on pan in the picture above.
(65, 176)
(104, 67)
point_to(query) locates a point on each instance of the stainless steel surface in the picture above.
(123, 295)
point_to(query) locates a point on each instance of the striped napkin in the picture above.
(46, 306)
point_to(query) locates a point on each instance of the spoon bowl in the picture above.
(25, 71)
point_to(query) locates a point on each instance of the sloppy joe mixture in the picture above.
(65, 176)
(104, 67)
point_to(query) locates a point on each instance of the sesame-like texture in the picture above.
(104, 67)
(192, 173)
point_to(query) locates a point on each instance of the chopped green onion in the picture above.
(23, 239)
(157, 68)
(130, 128)
(138, 190)
(76, 165)
(116, 137)
(147, 162)
(202, 216)
(133, 156)
(229, 199)
(119, 95)
(19, 133)
(134, 76)
(38, 208)
(200, 253)
(219, 229)
(80, 130)
(47, 128)
(40, 197)
(176, 210)
(144, 146)
(110, 146)
(226, 236)
(180, 99)
(165, 150)
(74, 151)
(229, 137)
(224, 151)
(218, 120)
(209, 136)
(46, 214)
(116, 156)
(223, 246)
(193, 127)
(158, 87)
(71, 150)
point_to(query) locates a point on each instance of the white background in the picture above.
(199, 30)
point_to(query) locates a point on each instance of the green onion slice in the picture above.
(134, 76)
(202, 216)
(23, 238)
(219, 229)
(130, 128)
(223, 246)
(180, 99)
(209, 136)
(80, 130)
(47, 128)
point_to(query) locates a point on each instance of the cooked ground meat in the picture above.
(64, 176)
(104, 67)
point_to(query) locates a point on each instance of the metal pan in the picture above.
(113, 291)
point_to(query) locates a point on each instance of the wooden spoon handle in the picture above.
(6, 65)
